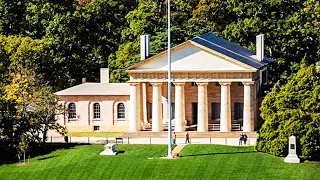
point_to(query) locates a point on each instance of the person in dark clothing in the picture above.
(245, 137)
(187, 138)
(240, 139)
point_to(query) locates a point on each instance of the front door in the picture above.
(194, 113)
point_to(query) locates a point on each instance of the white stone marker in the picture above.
(292, 156)
(109, 149)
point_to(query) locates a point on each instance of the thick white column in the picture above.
(134, 110)
(180, 116)
(225, 116)
(202, 107)
(248, 107)
(156, 107)
(144, 103)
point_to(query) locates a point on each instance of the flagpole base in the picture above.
(170, 156)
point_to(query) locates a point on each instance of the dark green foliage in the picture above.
(293, 109)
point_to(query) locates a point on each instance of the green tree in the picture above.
(150, 18)
(79, 42)
(35, 103)
(24, 146)
(12, 17)
(292, 109)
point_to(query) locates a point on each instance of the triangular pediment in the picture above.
(190, 56)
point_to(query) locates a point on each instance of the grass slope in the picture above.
(197, 162)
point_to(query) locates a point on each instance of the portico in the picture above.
(213, 90)
(213, 87)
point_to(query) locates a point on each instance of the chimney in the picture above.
(84, 80)
(104, 75)
(260, 47)
(144, 46)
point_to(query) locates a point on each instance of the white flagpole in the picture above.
(169, 87)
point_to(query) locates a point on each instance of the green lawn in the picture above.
(197, 162)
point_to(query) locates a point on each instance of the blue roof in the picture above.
(231, 50)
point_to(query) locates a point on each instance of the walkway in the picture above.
(177, 149)
(230, 138)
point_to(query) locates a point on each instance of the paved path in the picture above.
(151, 140)
(178, 148)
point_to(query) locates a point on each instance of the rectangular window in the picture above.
(149, 110)
(238, 111)
(96, 128)
(215, 110)
(96, 111)
(264, 77)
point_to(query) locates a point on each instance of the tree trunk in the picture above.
(45, 133)
(24, 156)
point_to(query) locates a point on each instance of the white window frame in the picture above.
(98, 117)
(123, 111)
(74, 111)
(261, 77)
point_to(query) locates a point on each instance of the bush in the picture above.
(292, 109)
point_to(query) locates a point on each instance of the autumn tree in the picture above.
(35, 103)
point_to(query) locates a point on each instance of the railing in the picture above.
(216, 127)
(149, 140)
(235, 127)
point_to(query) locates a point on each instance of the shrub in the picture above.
(292, 109)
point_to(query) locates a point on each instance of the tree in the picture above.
(79, 42)
(24, 146)
(35, 103)
(150, 18)
(214, 14)
(292, 109)
(12, 17)
(44, 109)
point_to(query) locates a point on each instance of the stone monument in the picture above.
(292, 155)
(109, 149)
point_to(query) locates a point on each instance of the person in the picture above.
(245, 137)
(174, 137)
(240, 139)
(187, 138)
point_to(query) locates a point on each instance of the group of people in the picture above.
(243, 139)
(174, 137)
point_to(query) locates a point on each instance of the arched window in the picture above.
(121, 111)
(72, 110)
(96, 111)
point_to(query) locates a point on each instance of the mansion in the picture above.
(215, 86)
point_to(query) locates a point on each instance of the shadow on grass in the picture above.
(121, 152)
(44, 158)
(217, 153)
(10, 156)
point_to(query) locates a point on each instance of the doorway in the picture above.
(194, 113)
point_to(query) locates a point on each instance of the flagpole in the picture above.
(169, 87)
